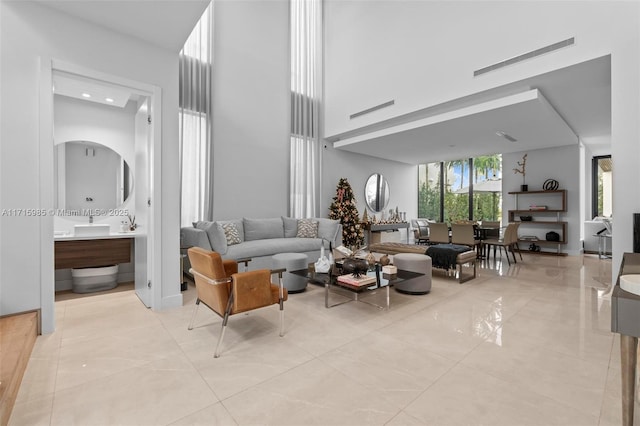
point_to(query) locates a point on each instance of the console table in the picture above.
(625, 319)
(381, 227)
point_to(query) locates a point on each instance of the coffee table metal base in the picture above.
(327, 279)
(356, 293)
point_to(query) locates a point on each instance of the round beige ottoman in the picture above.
(292, 262)
(414, 262)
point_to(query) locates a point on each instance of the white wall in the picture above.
(251, 89)
(30, 35)
(561, 164)
(422, 54)
(402, 179)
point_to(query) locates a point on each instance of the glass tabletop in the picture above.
(329, 278)
(381, 281)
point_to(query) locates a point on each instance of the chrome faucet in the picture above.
(90, 219)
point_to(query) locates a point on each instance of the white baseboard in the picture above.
(170, 302)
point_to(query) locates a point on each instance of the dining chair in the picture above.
(465, 234)
(421, 235)
(438, 233)
(509, 242)
(489, 229)
(227, 292)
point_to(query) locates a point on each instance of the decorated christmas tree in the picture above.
(343, 208)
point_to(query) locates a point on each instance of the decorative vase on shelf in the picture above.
(524, 188)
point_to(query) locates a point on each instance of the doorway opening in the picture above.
(104, 111)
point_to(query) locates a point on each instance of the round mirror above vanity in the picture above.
(376, 193)
(90, 177)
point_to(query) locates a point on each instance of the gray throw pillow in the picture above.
(290, 226)
(307, 228)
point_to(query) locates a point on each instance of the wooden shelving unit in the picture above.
(549, 219)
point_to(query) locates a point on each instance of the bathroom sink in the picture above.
(92, 229)
(630, 283)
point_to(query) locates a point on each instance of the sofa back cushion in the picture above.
(328, 229)
(260, 229)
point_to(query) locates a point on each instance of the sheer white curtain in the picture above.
(306, 90)
(196, 99)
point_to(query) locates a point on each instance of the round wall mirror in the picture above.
(90, 178)
(376, 193)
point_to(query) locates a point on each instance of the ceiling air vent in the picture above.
(555, 46)
(374, 108)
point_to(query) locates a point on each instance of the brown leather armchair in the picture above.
(226, 292)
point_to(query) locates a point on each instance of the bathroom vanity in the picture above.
(73, 251)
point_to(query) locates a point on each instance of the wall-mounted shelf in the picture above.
(543, 219)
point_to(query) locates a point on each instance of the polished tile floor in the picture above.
(528, 344)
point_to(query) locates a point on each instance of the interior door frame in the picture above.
(46, 152)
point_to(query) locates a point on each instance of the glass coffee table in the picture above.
(330, 279)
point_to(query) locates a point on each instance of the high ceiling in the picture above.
(163, 23)
(554, 109)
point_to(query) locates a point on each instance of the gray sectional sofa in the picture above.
(259, 239)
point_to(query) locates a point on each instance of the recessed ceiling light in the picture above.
(86, 95)
(108, 100)
(506, 136)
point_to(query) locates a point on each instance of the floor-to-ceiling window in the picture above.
(465, 189)
(429, 196)
(195, 121)
(456, 190)
(601, 186)
(306, 90)
(487, 188)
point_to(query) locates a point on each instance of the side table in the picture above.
(625, 320)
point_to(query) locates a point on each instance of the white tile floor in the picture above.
(528, 344)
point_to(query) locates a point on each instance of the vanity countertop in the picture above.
(69, 236)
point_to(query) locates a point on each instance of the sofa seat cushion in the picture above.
(271, 246)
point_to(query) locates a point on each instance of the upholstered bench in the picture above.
(463, 257)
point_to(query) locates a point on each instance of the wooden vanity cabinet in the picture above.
(92, 253)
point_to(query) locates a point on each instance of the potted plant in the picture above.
(522, 170)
